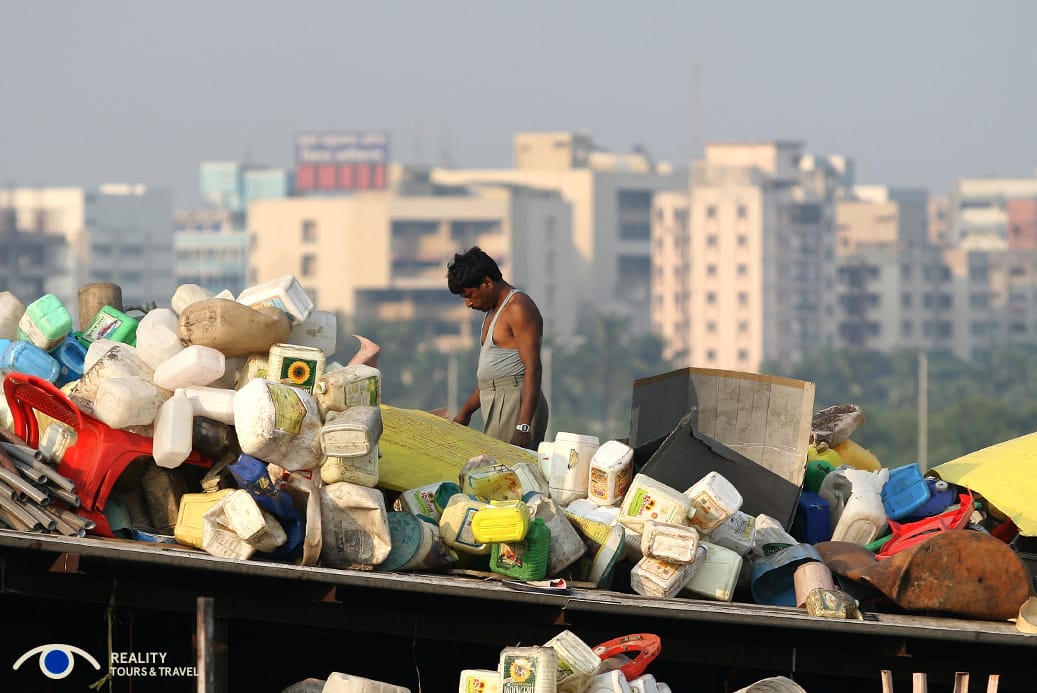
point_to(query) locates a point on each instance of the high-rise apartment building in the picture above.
(611, 200)
(116, 233)
(209, 250)
(979, 209)
(382, 254)
(892, 287)
(756, 286)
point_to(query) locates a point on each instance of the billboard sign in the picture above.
(341, 161)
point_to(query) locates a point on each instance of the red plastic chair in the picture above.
(100, 453)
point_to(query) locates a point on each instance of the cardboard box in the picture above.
(753, 429)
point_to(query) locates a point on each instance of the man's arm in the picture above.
(471, 405)
(528, 327)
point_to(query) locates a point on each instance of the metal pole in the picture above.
(923, 412)
(545, 386)
(451, 384)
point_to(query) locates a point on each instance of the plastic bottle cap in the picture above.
(941, 485)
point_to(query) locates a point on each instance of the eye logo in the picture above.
(56, 659)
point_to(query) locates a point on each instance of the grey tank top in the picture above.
(495, 362)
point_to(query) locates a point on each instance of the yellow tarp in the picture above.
(420, 448)
(1005, 474)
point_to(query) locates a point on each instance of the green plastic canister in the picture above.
(523, 560)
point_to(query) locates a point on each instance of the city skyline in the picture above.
(917, 95)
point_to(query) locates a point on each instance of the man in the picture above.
(509, 394)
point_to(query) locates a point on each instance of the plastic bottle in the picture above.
(296, 365)
(122, 402)
(284, 293)
(713, 500)
(569, 478)
(157, 339)
(70, 355)
(611, 469)
(187, 294)
(864, 515)
(173, 427)
(110, 323)
(528, 669)
(45, 322)
(25, 357)
(195, 365)
(320, 330)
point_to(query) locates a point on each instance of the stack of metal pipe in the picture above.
(33, 496)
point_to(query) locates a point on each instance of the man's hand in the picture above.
(522, 439)
(463, 418)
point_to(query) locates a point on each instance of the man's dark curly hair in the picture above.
(469, 269)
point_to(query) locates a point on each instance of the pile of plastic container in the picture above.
(256, 446)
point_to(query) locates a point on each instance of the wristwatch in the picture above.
(524, 428)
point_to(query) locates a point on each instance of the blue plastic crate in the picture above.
(905, 491)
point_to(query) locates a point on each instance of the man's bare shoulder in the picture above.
(524, 305)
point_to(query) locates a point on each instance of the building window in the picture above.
(711, 240)
(743, 270)
(711, 297)
(743, 240)
(743, 326)
(711, 269)
(743, 298)
(711, 212)
(711, 355)
(743, 355)
(309, 231)
(743, 211)
(711, 326)
(309, 265)
(905, 300)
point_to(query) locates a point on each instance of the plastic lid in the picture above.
(576, 438)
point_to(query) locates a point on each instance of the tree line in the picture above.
(971, 405)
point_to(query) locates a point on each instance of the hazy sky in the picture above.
(917, 93)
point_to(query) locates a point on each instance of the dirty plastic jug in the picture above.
(864, 516)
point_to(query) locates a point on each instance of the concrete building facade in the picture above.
(116, 233)
(610, 196)
(760, 257)
(382, 255)
(210, 250)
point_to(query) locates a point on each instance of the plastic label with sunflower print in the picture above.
(528, 670)
(297, 366)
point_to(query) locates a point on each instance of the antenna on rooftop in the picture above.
(698, 147)
(445, 158)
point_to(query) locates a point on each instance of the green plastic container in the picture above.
(46, 322)
(524, 560)
(110, 323)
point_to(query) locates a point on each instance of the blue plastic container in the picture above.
(25, 357)
(70, 355)
(772, 577)
(812, 522)
(252, 475)
(941, 495)
(905, 491)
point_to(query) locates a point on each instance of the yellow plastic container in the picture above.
(493, 481)
(857, 457)
(193, 506)
(455, 525)
(501, 521)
